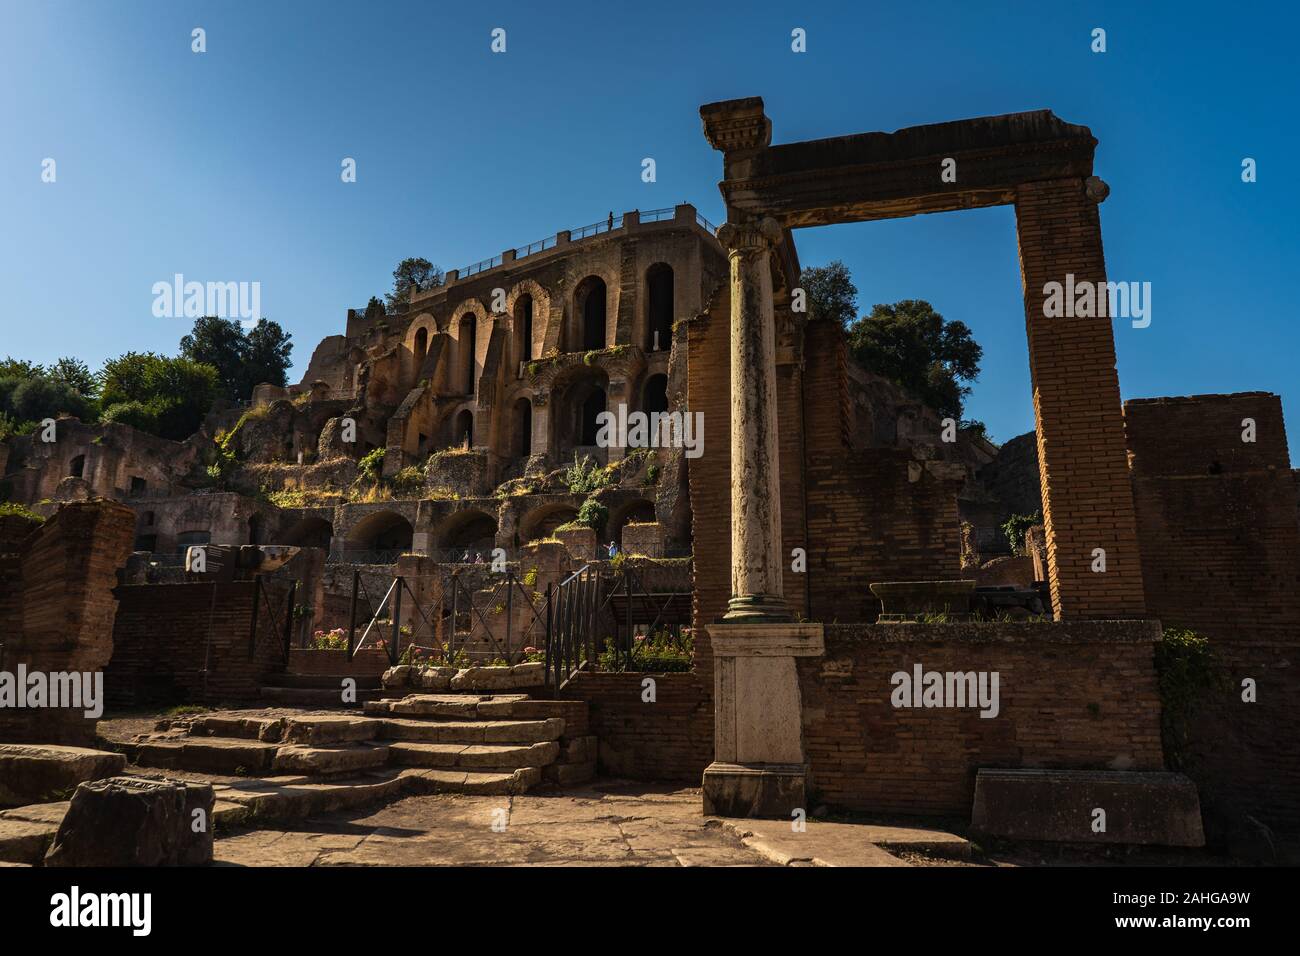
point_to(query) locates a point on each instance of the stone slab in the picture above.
(1143, 808)
(32, 773)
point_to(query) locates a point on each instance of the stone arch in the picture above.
(660, 307)
(462, 432)
(654, 394)
(466, 349)
(541, 304)
(591, 311)
(638, 509)
(312, 531)
(542, 521)
(575, 402)
(521, 428)
(381, 531)
(418, 336)
(472, 529)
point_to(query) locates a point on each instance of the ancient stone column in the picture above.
(756, 590)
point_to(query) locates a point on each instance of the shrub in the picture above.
(22, 511)
(592, 514)
(371, 464)
(407, 482)
(1015, 527)
(1188, 672)
(584, 477)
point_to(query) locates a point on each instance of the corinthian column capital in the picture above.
(750, 237)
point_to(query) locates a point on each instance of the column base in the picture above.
(772, 791)
(756, 609)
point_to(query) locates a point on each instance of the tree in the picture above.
(412, 274)
(166, 396)
(243, 360)
(831, 294)
(220, 343)
(914, 346)
(75, 374)
(41, 397)
(19, 368)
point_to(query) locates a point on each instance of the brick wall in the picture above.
(670, 739)
(1221, 555)
(1072, 695)
(1087, 498)
(166, 635)
(57, 608)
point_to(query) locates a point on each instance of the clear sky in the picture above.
(225, 165)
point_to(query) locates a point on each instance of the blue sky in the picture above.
(225, 165)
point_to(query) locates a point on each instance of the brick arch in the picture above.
(413, 356)
(575, 299)
(540, 521)
(461, 529)
(541, 311)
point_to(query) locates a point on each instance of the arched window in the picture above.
(523, 329)
(591, 409)
(523, 427)
(659, 307)
(421, 349)
(464, 434)
(466, 339)
(591, 296)
(77, 466)
(655, 396)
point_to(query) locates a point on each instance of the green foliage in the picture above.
(917, 348)
(655, 653)
(1188, 672)
(592, 514)
(176, 393)
(372, 463)
(831, 294)
(37, 397)
(76, 375)
(407, 482)
(333, 640)
(19, 368)
(530, 577)
(411, 275)
(243, 359)
(1014, 529)
(584, 477)
(22, 511)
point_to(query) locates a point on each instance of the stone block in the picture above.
(128, 821)
(1150, 808)
(33, 773)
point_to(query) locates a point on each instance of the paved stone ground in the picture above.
(635, 826)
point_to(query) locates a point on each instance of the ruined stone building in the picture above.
(433, 435)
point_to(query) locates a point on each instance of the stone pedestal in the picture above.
(759, 768)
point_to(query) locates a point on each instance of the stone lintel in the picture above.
(766, 640)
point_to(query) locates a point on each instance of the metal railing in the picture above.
(596, 228)
(572, 608)
(481, 266)
(708, 226)
(365, 557)
(283, 630)
(541, 245)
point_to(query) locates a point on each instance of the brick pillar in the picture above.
(1083, 462)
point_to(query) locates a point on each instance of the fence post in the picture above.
(455, 610)
(397, 623)
(549, 656)
(288, 619)
(510, 581)
(352, 614)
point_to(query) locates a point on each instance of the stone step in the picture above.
(232, 756)
(315, 697)
(328, 681)
(472, 731)
(501, 757)
(217, 755)
(30, 773)
(455, 706)
(317, 761)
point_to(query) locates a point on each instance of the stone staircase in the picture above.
(472, 743)
(320, 691)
